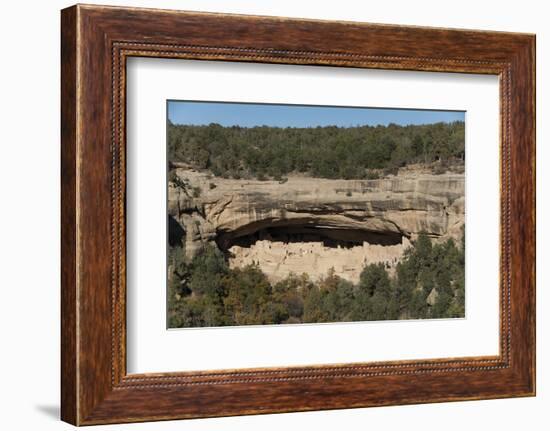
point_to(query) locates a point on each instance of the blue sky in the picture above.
(257, 114)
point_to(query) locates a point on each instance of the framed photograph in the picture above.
(264, 215)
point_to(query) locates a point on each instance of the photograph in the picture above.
(303, 214)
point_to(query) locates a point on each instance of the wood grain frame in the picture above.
(96, 42)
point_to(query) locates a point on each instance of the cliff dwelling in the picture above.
(280, 251)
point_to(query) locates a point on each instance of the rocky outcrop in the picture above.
(358, 212)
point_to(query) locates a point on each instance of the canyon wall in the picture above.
(373, 219)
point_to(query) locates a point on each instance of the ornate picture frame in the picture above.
(96, 41)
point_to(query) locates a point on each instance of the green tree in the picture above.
(374, 278)
(248, 300)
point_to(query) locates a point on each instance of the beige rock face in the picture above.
(226, 210)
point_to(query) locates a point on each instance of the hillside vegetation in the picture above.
(325, 152)
(428, 283)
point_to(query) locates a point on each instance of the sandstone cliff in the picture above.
(360, 213)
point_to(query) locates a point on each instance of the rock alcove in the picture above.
(280, 250)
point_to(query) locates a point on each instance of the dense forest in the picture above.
(325, 152)
(427, 283)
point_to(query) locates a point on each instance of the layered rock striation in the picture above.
(344, 221)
